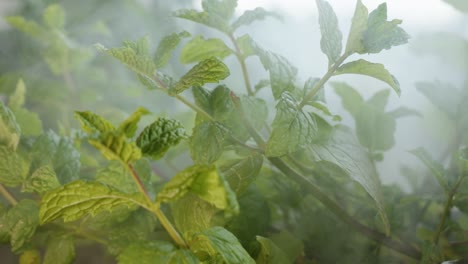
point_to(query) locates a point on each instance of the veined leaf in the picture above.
(60, 250)
(156, 139)
(435, 167)
(156, 252)
(293, 129)
(204, 181)
(270, 253)
(166, 46)
(225, 245)
(331, 42)
(250, 16)
(205, 18)
(358, 27)
(21, 221)
(54, 17)
(208, 71)
(13, 168)
(79, 198)
(91, 123)
(199, 49)
(222, 8)
(241, 172)
(344, 151)
(375, 70)
(115, 175)
(206, 142)
(192, 214)
(129, 126)
(10, 132)
(382, 34)
(114, 146)
(42, 180)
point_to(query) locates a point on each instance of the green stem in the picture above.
(195, 108)
(323, 80)
(7, 195)
(241, 59)
(155, 208)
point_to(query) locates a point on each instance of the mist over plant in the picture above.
(215, 131)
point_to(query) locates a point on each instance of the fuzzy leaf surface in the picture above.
(91, 122)
(74, 200)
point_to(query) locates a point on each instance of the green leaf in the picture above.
(375, 129)
(30, 28)
(227, 247)
(41, 181)
(156, 252)
(241, 172)
(192, 214)
(352, 101)
(382, 34)
(17, 99)
(208, 71)
(130, 125)
(10, 132)
(116, 176)
(91, 122)
(204, 181)
(293, 129)
(375, 70)
(60, 250)
(74, 200)
(50, 149)
(206, 142)
(114, 146)
(166, 46)
(222, 8)
(458, 4)
(29, 122)
(54, 17)
(205, 18)
(434, 166)
(358, 27)
(245, 45)
(199, 49)
(255, 110)
(331, 42)
(30, 256)
(403, 111)
(270, 253)
(290, 244)
(13, 168)
(135, 55)
(379, 100)
(22, 221)
(250, 16)
(282, 73)
(156, 139)
(443, 95)
(358, 166)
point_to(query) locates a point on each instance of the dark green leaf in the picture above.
(156, 252)
(130, 125)
(166, 46)
(250, 16)
(435, 167)
(358, 27)
(156, 139)
(13, 168)
(91, 123)
(382, 34)
(42, 180)
(343, 150)
(74, 200)
(60, 250)
(270, 253)
(208, 71)
(199, 49)
(375, 70)
(22, 221)
(331, 42)
(225, 245)
(241, 172)
(293, 129)
(10, 132)
(206, 142)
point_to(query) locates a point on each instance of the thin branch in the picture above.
(241, 59)
(7, 195)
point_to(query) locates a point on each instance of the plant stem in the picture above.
(194, 107)
(7, 195)
(241, 59)
(323, 80)
(155, 208)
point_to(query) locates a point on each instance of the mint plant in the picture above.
(261, 184)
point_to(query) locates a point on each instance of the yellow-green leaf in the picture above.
(130, 125)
